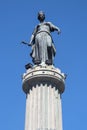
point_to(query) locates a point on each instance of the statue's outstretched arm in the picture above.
(58, 29)
(55, 28)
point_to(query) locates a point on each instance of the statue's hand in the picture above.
(59, 31)
(30, 44)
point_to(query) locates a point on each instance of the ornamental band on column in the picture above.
(43, 83)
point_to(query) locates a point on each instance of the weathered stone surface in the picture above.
(43, 108)
(43, 74)
(43, 86)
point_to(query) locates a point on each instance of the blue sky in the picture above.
(17, 21)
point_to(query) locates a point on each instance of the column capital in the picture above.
(43, 75)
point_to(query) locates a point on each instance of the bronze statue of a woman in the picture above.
(43, 49)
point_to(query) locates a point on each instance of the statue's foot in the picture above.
(36, 62)
(49, 62)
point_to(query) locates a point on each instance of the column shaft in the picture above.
(43, 108)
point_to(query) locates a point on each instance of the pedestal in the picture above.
(43, 86)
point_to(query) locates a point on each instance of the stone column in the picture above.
(43, 86)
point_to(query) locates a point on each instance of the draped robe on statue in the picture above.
(43, 48)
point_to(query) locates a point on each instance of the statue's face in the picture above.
(41, 16)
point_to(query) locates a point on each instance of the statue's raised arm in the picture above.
(43, 49)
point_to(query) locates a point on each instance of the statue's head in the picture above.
(41, 16)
